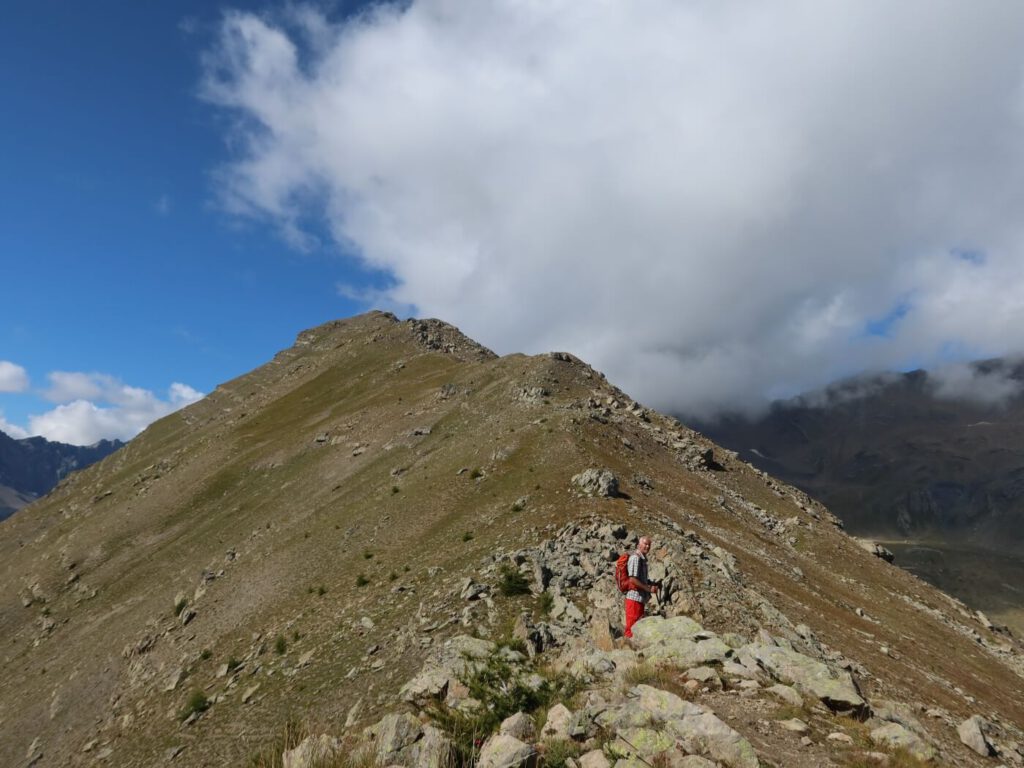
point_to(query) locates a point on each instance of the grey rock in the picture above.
(311, 751)
(393, 736)
(787, 694)
(595, 758)
(895, 736)
(597, 482)
(876, 549)
(520, 726)
(972, 733)
(558, 722)
(503, 751)
(812, 678)
(433, 750)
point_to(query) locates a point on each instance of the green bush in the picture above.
(233, 664)
(197, 704)
(280, 645)
(361, 580)
(467, 536)
(511, 582)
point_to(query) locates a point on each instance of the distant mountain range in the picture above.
(903, 455)
(31, 467)
(931, 464)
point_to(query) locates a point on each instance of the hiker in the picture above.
(640, 589)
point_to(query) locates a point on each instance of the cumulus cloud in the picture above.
(95, 406)
(13, 378)
(714, 202)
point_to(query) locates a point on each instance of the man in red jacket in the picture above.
(640, 589)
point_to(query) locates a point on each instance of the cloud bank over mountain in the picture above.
(715, 203)
(89, 407)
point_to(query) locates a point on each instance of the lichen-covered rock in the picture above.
(971, 732)
(678, 640)
(433, 750)
(812, 678)
(895, 736)
(504, 751)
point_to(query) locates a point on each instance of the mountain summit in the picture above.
(388, 532)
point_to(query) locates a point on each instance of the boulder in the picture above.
(392, 738)
(520, 725)
(557, 724)
(971, 732)
(596, 482)
(595, 758)
(895, 736)
(836, 690)
(432, 750)
(430, 684)
(504, 751)
(312, 751)
(787, 694)
(876, 549)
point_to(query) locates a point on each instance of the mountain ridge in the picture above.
(326, 522)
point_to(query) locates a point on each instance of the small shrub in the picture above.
(392, 576)
(395, 489)
(296, 636)
(511, 582)
(467, 536)
(361, 580)
(280, 645)
(545, 602)
(476, 473)
(517, 506)
(321, 590)
(405, 568)
(367, 555)
(197, 704)
(180, 606)
(206, 654)
(233, 664)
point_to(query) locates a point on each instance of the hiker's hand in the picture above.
(654, 589)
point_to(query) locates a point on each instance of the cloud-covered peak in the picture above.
(715, 203)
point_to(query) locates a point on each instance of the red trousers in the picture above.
(634, 612)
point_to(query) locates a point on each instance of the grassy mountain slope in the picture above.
(301, 512)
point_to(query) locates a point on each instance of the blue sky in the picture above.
(713, 203)
(116, 256)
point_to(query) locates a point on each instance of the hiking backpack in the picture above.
(621, 573)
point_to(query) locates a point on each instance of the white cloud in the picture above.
(984, 384)
(13, 378)
(11, 430)
(94, 406)
(712, 202)
(163, 205)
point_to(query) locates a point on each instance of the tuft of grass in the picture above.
(206, 654)
(321, 590)
(663, 676)
(545, 602)
(467, 536)
(392, 576)
(180, 606)
(367, 554)
(197, 704)
(511, 582)
(476, 473)
(557, 752)
(395, 489)
(280, 645)
(361, 580)
(233, 664)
